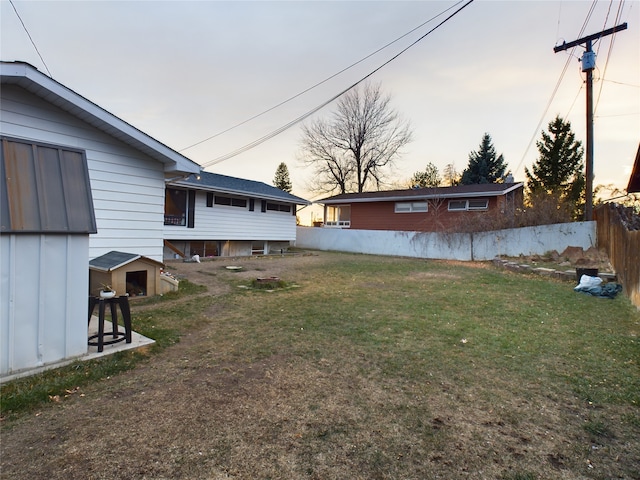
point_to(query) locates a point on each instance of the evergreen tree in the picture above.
(484, 166)
(558, 171)
(429, 177)
(281, 179)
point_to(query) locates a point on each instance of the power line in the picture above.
(319, 83)
(556, 88)
(29, 35)
(278, 131)
(606, 63)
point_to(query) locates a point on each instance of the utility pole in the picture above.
(588, 64)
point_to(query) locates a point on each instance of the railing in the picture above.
(338, 224)
(622, 247)
(179, 220)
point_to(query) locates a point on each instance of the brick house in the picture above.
(421, 209)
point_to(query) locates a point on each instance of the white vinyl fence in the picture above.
(451, 246)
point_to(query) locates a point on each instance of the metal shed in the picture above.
(126, 273)
(46, 216)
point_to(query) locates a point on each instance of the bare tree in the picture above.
(350, 151)
(451, 175)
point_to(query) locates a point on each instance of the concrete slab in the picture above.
(137, 341)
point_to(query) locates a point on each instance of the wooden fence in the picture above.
(622, 246)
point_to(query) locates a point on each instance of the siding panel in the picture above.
(125, 183)
(234, 223)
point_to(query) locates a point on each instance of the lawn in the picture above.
(358, 367)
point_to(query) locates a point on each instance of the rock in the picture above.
(572, 253)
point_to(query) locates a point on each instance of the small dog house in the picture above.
(126, 273)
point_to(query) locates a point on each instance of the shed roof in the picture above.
(44, 189)
(34, 81)
(466, 191)
(114, 260)
(239, 186)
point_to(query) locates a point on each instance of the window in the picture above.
(457, 204)
(411, 207)
(471, 204)
(230, 201)
(278, 207)
(175, 207)
(338, 216)
(209, 199)
(478, 204)
(179, 207)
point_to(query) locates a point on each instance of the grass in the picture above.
(29, 393)
(387, 368)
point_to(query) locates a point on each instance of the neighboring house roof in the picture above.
(466, 191)
(239, 186)
(34, 81)
(114, 260)
(634, 180)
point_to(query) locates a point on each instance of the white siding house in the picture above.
(127, 168)
(76, 182)
(217, 215)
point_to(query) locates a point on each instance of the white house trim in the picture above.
(29, 78)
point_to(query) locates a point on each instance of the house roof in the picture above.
(34, 81)
(214, 182)
(114, 260)
(634, 179)
(466, 191)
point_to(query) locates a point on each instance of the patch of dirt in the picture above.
(570, 258)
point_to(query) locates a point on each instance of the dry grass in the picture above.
(373, 368)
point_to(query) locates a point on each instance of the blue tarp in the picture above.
(607, 290)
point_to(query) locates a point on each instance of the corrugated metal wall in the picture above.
(44, 282)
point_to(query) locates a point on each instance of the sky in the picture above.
(185, 71)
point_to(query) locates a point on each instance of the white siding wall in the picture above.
(44, 282)
(127, 186)
(234, 223)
